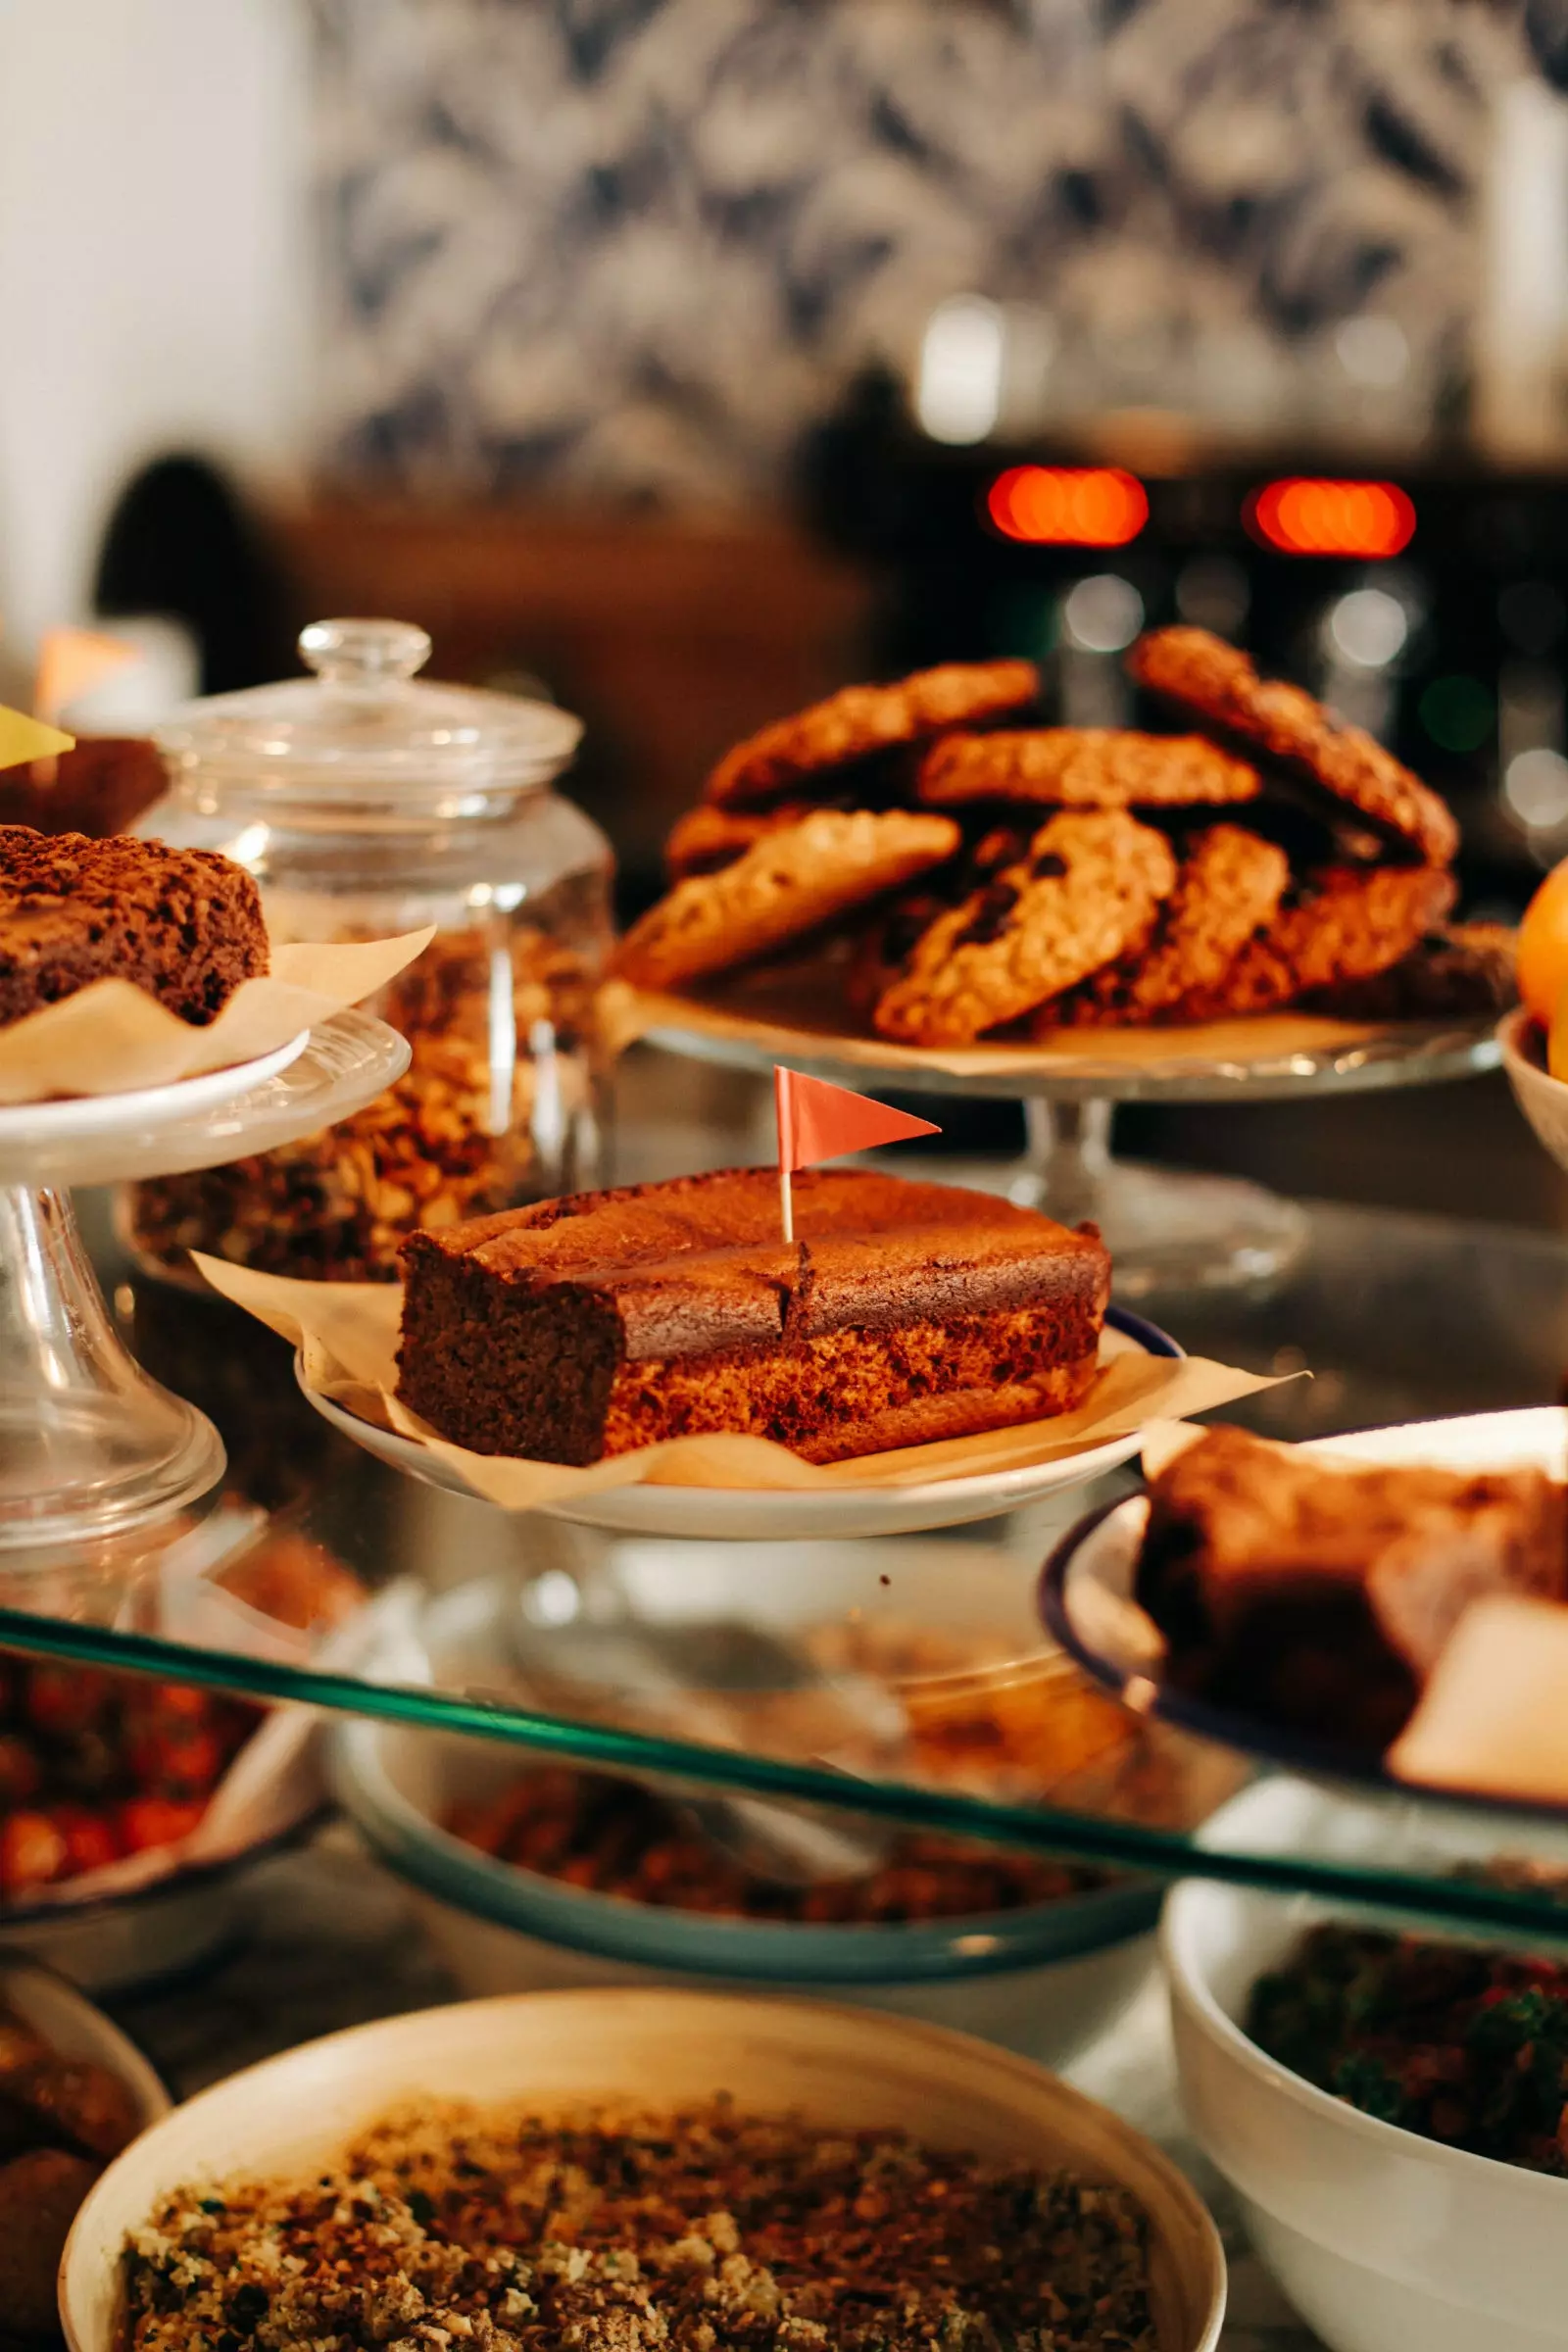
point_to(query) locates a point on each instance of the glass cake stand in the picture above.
(95, 1458)
(1167, 1231)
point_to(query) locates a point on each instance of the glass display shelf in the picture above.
(901, 1680)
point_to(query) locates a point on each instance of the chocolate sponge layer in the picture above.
(595, 1325)
(185, 925)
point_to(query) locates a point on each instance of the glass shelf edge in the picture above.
(1127, 1845)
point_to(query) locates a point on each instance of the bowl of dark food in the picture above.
(130, 1809)
(529, 1877)
(1391, 2109)
(915, 1660)
(73, 2092)
(613, 2168)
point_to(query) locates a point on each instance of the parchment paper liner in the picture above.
(797, 1010)
(347, 1335)
(1494, 1719)
(112, 1037)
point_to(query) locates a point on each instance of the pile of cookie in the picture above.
(966, 873)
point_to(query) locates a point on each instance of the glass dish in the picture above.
(366, 804)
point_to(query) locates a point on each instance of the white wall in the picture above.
(154, 263)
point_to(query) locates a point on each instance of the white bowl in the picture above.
(840, 2067)
(143, 1937)
(1384, 2241)
(1543, 1098)
(1044, 1981)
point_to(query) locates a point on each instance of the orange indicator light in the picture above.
(1304, 517)
(1069, 506)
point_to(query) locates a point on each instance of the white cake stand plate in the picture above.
(743, 1514)
(93, 1455)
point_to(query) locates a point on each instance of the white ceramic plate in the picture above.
(840, 2067)
(315, 1080)
(740, 1514)
(104, 1116)
(1543, 1098)
(1087, 1586)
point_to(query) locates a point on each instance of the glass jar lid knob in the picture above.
(365, 654)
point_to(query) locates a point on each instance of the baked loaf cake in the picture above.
(185, 925)
(901, 1313)
(1320, 1595)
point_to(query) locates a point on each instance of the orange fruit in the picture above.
(1543, 946)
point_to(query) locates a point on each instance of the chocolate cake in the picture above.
(185, 925)
(1319, 1596)
(902, 1312)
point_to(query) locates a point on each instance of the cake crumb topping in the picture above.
(462, 2230)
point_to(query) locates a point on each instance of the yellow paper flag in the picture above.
(24, 738)
(72, 660)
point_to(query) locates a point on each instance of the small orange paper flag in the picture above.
(69, 662)
(817, 1121)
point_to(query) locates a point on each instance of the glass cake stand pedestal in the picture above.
(1168, 1231)
(98, 1463)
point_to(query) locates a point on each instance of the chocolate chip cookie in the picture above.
(1228, 886)
(786, 884)
(1217, 683)
(1084, 767)
(810, 749)
(1343, 923)
(1089, 889)
(883, 948)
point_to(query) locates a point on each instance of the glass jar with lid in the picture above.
(368, 804)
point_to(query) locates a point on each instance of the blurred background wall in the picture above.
(156, 264)
(634, 245)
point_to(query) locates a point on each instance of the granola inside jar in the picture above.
(366, 805)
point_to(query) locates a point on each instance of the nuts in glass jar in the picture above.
(496, 1107)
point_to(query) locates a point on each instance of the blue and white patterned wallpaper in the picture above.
(631, 246)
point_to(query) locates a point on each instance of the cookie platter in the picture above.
(1169, 1230)
(914, 886)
